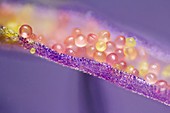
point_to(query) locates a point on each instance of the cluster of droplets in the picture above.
(99, 47)
(8, 35)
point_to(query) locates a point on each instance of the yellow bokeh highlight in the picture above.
(13, 26)
(101, 46)
(143, 68)
(117, 66)
(32, 50)
(130, 42)
(129, 69)
(130, 53)
(166, 71)
(9, 32)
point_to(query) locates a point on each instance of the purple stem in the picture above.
(101, 70)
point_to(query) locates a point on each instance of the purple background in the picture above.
(32, 85)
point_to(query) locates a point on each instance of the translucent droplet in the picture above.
(135, 72)
(90, 51)
(129, 69)
(130, 53)
(59, 48)
(120, 42)
(150, 78)
(142, 53)
(70, 52)
(162, 86)
(80, 41)
(99, 56)
(25, 31)
(104, 36)
(92, 38)
(69, 41)
(111, 59)
(120, 54)
(110, 47)
(123, 64)
(76, 32)
(154, 68)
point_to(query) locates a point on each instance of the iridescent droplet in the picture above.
(25, 31)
